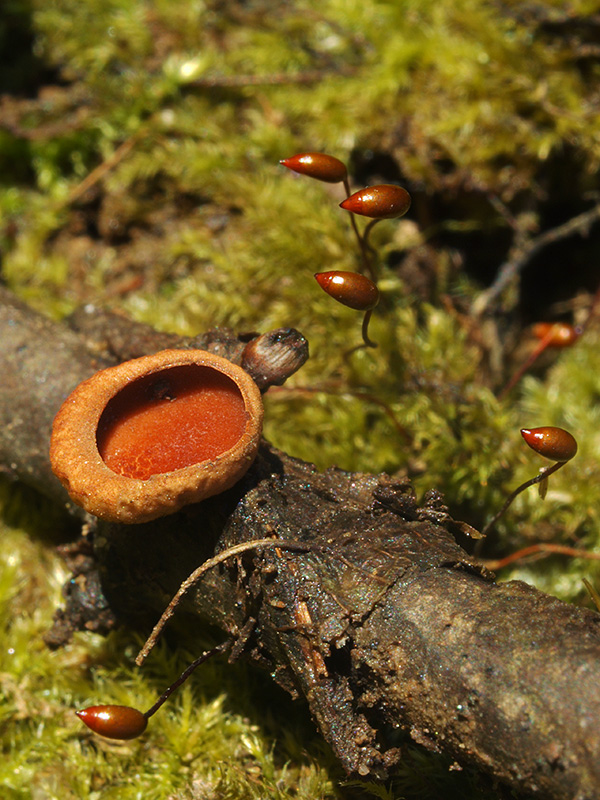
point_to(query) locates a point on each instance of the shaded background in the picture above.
(139, 149)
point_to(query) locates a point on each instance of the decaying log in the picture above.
(382, 623)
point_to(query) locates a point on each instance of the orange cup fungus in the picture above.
(141, 440)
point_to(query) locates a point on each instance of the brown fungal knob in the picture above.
(384, 201)
(272, 357)
(114, 722)
(321, 166)
(557, 444)
(142, 439)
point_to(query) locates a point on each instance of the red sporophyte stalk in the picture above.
(125, 722)
(549, 334)
(541, 550)
(330, 169)
(554, 443)
(382, 201)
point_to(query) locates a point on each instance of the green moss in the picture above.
(192, 223)
(205, 735)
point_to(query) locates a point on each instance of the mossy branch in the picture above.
(381, 623)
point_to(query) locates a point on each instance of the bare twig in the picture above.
(368, 397)
(521, 255)
(195, 576)
(102, 169)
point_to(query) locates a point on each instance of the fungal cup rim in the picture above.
(77, 462)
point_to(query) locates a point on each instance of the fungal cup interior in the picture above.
(171, 419)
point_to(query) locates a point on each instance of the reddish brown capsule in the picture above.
(321, 166)
(556, 334)
(349, 288)
(385, 201)
(550, 442)
(114, 722)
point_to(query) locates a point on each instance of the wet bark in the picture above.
(383, 623)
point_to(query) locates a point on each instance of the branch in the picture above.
(379, 620)
(523, 252)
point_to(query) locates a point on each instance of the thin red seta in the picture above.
(558, 334)
(367, 263)
(550, 442)
(220, 648)
(327, 168)
(196, 575)
(385, 201)
(543, 475)
(125, 722)
(541, 550)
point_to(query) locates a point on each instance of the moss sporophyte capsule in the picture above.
(548, 441)
(114, 722)
(349, 288)
(383, 201)
(321, 166)
(554, 443)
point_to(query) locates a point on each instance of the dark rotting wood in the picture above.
(382, 623)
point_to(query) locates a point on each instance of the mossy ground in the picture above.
(488, 114)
